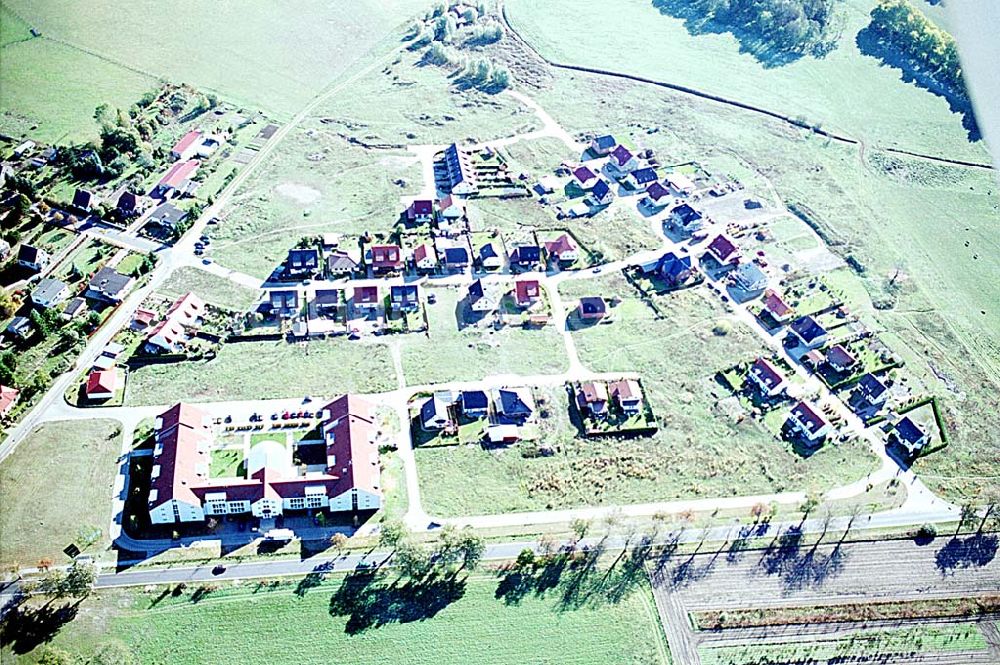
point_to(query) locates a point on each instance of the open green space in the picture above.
(538, 157)
(431, 623)
(447, 353)
(213, 289)
(820, 90)
(56, 488)
(227, 464)
(260, 370)
(85, 259)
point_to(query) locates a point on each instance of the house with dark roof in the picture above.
(50, 292)
(455, 257)
(74, 308)
(584, 178)
(434, 414)
(525, 257)
(340, 263)
(839, 358)
(686, 218)
(302, 262)
(622, 160)
(870, 389)
(167, 215)
(601, 194)
(32, 258)
(513, 406)
(657, 197)
(284, 301)
(474, 403)
(780, 311)
(672, 269)
(421, 211)
(84, 200)
(602, 145)
(20, 326)
(109, 285)
(484, 296)
(325, 300)
(592, 398)
(404, 297)
(766, 377)
(807, 422)
(723, 250)
(640, 178)
(909, 435)
(807, 332)
(365, 298)
(592, 308)
(488, 257)
(129, 204)
(459, 174)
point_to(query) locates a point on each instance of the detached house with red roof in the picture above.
(807, 422)
(385, 259)
(420, 211)
(178, 180)
(766, 377)
(563, 249)
(527, 292)
(839, 358)
(8, 399)
(365, 298)
(584, 178)
(776, 307)
(102, 385)
(186, 147)
(723, 251)
(425, 258)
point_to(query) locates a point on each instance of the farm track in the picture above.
(694, 92)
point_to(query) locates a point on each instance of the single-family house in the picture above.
(20, 326)
(404, 297)
(640, 178)
(458, 171)
(622, 160)
(602, 145)
(49, 293)
(909, 435)
(25, 148)
(585, 178)
(178, 180)
(592, 308)
(627, 393)
(686, 218)
(484, 296)
(434, 414)
(32, 258)
(807, 422)
(679, 184)
(592, 398)
(167, 215)
(365, 298)
(563, 249)
(474, 403)
(284, 302)
(329, 241)
(766, 377)
(872, 390)
(386, 259)
(839, 358)
(455, 257)
(339, 263)
(325, 300)
(808, 333)
(102, 384)
(527, 292)
(674, 270)
(302, 261)
(208, 145)
(186, 147)
(129, 204)
(525, 257)
(84, 200)
(723, 250)
(425, 258)
(449, 210)
(74, 308)
(601, 194)
(750, 278)
(167, 336)
(513, 406)
(488, 257)
(8, 399)
(776, 307)
(109, 285)
(421, 211)
(142, 319)
(657, 197)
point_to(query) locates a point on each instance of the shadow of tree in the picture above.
(799, 569)
(870, 43)
(26, 628)
(369, 602)
(976, 550)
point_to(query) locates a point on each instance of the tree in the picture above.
(813, 499)
(79, 580)
(412, 560)
(113, 653)
(54, 656)
(338, 542)
(52, 583)
(580, 526)
(472, 548)
(967, 517)
(391, 534)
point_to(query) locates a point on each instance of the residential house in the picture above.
(386, 259)
(186, 147)
(563, 249)
(129, 204)
(674, 270)
(640, 178)
(109, 285)
(808, 333)
(102, 384)
(84, 200)
(657, 197)
(425, 258)
(527, 292)
(585, 178)
(49, 293)
(807, 422)
(525, 257)
(434, 414)
(592, 398)
(339, 263)
(74, 308)
(627, 393)
(325, 300)
(404, 297)
(208, 145)
(872, 390)
(178, 180)
(455, 257)
(142, 319)
(679, 184)
(601, 194)
(723, 251)
(622, 160)
(766, 377)
(366, 298)
(777, 308)
(592, 308)
(20, 326)
(750, 278)
(484, 296)
(421, 211)
(602, 145)
(909, 435)
(329, 241)
(8, 400)
(32, 258)
(284, 302)
(488, 257)
(167, 215)
(506, 434)
(458, 171)
(839, 358)
(302, 262)
(474, 403)
(513, 406)
(4, 249)
(167, 336)
(24, 149)
(686, 218)
(449, 210)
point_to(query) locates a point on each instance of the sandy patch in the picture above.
(300, 193)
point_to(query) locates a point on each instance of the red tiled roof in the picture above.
(386, 255)
(583, 174)
(656, 191)
(179, 172)
(722, 248)
(181, 429)
(526, 290)
(420, 253)
(102, 382)
(774, 304)
(420, 207)
(365, 294)
(561, 244)
(593, 391)
(808, 417)
(839, 356)
(626, 389)
(766, 373)
(8, 397)
(351, 421)
(186, 141)
(621, 155)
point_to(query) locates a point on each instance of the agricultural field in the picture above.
(260, 370)
(447, 353)
(75, 463)
(250, 624)
(213, 289)
(819, 90)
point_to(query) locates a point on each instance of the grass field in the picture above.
(250, 624)
(612, 35)
(75, 464)
(211, 288)
(253, 370)
(450, 354)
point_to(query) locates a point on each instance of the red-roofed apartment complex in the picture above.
(182, 489)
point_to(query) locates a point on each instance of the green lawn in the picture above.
(57, 482)
(211, 288)
(250, 624)
(825, 90)
(251, 370)
(538, 156)
(86, 258)
(450, 354)
(227, 464)
(129, 264)
(12, 28)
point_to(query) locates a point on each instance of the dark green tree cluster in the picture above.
(934, 50)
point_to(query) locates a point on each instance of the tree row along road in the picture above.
(727, 101)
